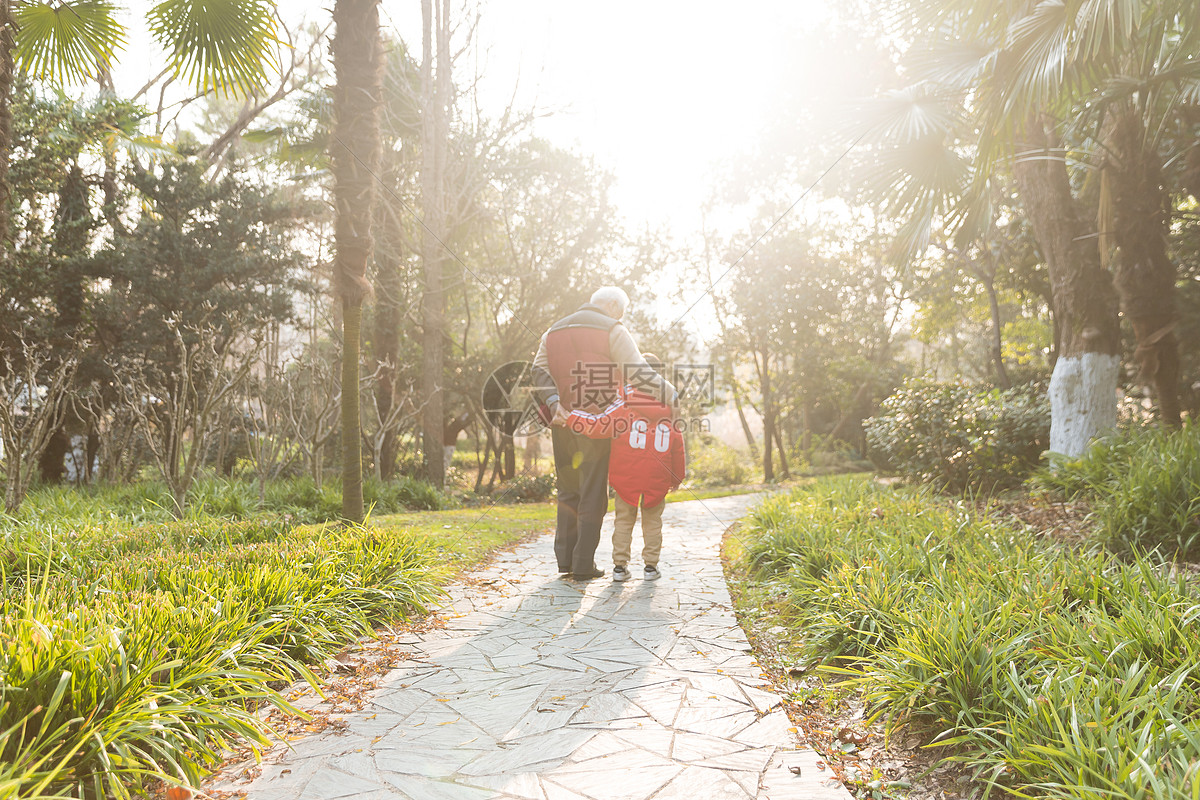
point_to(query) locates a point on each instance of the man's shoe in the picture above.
(620, 574)
(587, 576)
(651, 573)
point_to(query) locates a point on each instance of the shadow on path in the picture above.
(554, 690)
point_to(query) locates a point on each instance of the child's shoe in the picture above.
(620, 574)
(651, 573)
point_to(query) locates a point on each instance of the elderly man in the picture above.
(581, 362)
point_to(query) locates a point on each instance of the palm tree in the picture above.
(1113, 75)
(435, 93)
(1117, 75)
(225, 47)
(7, 70)
(358, 64)
(935, 173)
(1130, 72)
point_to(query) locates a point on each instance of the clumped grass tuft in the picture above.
(130, 654)
(1052, 671)
(1144, 489)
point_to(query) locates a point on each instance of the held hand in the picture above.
(559, 419)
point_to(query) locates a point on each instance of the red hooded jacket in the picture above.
(648, 458)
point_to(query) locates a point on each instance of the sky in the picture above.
(664, 94)
(659, 92)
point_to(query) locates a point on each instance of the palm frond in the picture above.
(1104, 27)
(952, 62)
(1106, 217)
(1041, 47)
(913, 113)
(218, 45)
(1189, 91)
(140, 145)
(919, 179)
(973, 215)
(913, 237)
(67, 42)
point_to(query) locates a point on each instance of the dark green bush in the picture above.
(1143, 486)
(957, 437)
(527, 489)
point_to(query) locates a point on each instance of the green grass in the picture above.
(707, 493)
(1143, 486)
(462, 537)
(295, 500)
(133, 652)
(1051, 671)
(701, 493)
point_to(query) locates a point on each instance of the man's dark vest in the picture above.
(580, 361)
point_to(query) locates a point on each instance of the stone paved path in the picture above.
(554, 690)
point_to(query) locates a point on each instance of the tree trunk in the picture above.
(1083, 399)
(783, 458)
(91, 450)
(1145, 274)
(1002, 379)
(352, 478)
(51, 464)
(510, 457)
(486, 459)
(178, 499)
(14, 487)
(498, 463)
(315, 442)
(387, 353)
(358, 68)
(741, 412)
(72, 224)
(433, 202)
(768, 418)
(854, 413)
(223, 451)
(7, 75)
(806, 425)
(318, 464)
(533, 451)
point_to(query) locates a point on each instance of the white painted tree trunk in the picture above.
(1083, 400)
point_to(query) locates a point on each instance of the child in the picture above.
(647, 461)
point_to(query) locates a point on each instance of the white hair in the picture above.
(611, 295)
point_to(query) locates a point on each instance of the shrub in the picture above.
(1144, 489)
(303, 501)
(829, 462)
(711, 462)
(959, 438)
(528, 488)
(401, 494)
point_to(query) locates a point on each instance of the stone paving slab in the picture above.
(541, 688)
